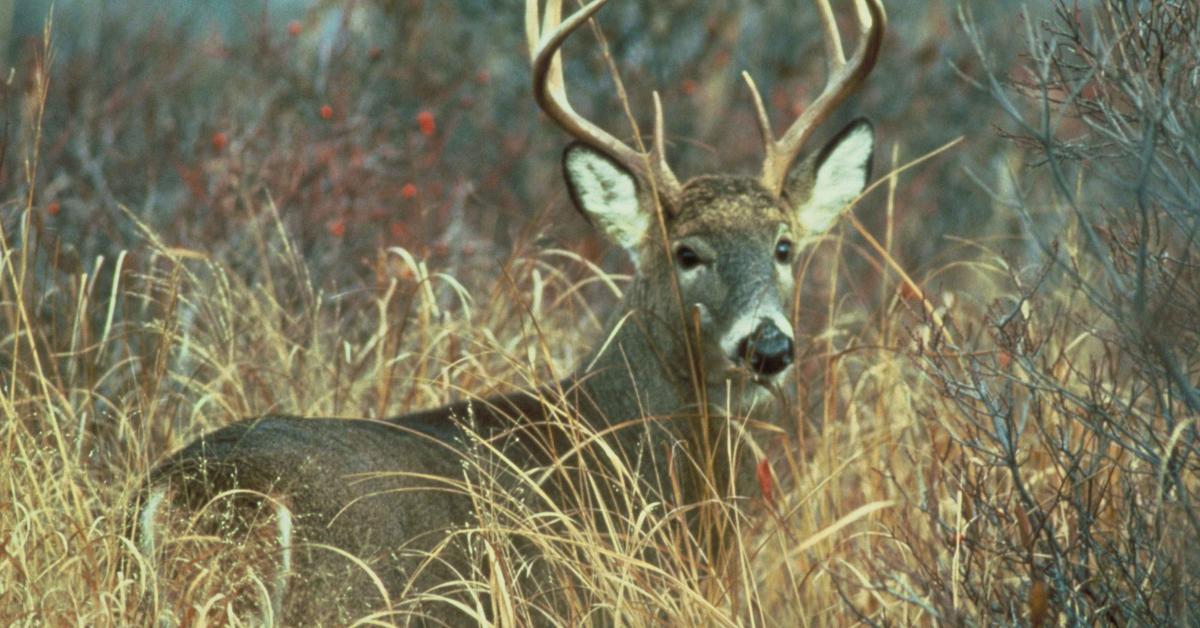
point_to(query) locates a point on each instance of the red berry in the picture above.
(219, 141)
(337, 228)
(53, 208)
(426, 123)
(293, 28)
(409, 191)
(326, 112)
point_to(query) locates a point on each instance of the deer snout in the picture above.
(767, 350)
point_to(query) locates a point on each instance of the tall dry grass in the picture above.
(993, 438)
(105, 381)
(184, 345)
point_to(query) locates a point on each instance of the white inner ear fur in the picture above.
(608, 195)
(840, 178)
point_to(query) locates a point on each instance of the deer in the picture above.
(702, 336)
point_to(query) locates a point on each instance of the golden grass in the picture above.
(110, 371)
(186, 345)
(183, 345)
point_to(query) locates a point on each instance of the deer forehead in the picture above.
(729, 205)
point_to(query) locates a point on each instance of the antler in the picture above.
(844, 78)
(549, 90)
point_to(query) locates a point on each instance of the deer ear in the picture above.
(607, 195)
(823, 185)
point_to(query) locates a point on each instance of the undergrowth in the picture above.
(1002, 434)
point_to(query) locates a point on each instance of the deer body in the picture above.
(346, 482)
(702, 334)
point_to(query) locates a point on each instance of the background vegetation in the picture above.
(218, 210)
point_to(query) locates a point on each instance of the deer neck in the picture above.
(641, 368)
(640, 365)
(638, 376)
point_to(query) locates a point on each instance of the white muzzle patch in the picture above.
(745, 326)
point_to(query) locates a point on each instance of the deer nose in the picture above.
(767, 351)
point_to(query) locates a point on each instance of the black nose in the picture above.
(767, 351)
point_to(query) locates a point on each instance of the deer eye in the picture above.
(783, 251)
(686, 258)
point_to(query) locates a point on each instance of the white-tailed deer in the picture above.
(362, 511)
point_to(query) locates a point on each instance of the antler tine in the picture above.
(549, 90)
(833, 39)
(844, 78)
(668, 185)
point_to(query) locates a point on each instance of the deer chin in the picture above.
(765, 391)
(739, 390)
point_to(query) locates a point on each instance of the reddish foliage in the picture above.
(426, 123)
(909, 293)
(766, 481)
(194, 180)
(399, 231)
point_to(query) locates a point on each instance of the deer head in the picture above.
(726, 244)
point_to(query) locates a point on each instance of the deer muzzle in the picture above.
(767, 351)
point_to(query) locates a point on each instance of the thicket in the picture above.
(1063, 475)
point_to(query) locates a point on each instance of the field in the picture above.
(211, 211)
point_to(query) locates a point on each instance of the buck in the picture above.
(363, 511)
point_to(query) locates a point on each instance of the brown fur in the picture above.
(391, 492)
